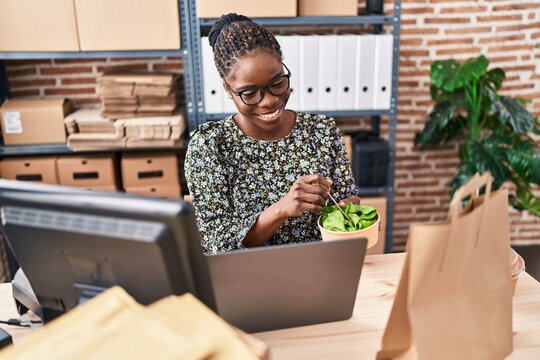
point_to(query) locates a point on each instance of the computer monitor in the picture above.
(74, 243)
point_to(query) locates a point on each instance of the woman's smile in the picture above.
(271, 116)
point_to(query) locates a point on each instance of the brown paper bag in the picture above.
(454, 298)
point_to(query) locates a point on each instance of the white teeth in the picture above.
(269, 116)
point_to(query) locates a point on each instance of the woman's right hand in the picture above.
(306, 194)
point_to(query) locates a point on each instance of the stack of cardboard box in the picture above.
(96, 172)
(34, 121)
(33, 168)
(128, 95)
(89, 130)
(153, 132)
(154, 174)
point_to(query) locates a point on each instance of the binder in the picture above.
(212, 84)
(365, 66)
(227, 104)
(309, 60)
(346, 72)
(382, 89)
(290, 49)
(328, 57)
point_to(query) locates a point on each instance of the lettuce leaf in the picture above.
(361, 217)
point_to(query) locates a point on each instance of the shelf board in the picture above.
(35, 149)
(333, 113)
(372, 190)
(90, 54)
(58, 149)
(317, 20)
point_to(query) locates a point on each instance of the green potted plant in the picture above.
(493, 131)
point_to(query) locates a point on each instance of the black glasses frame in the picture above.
(262, 91)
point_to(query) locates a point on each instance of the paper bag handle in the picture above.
(472, 189)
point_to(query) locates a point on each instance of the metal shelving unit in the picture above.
(333, 113)
(317, 20)
(51, 149)
(379, 20)
(90, 54)
(184, 52)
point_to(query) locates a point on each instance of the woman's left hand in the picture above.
(353, 199)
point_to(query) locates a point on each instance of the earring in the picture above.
(229, 95)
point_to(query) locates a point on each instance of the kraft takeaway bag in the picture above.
(454, 298)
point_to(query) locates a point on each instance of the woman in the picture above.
(259, 176)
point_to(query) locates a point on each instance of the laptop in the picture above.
(275, 287)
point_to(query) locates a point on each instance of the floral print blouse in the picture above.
(232, 177)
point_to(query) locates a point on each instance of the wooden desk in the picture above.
(360, 336)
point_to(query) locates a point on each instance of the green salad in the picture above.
(361, 217)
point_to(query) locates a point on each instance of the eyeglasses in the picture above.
(277, 87)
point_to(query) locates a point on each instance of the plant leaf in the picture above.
(536, 129)
(450, 75)
(473, 69)
(351, 208)
(528, 201)
(511, 112)
(438, 119)
(366, 223)
(361, 217)
(334, 221)
(524, 159)
(464, 173)
(489, 154)
(489, 93)
(355, 219)
(368, 211)
(456, 97)
(443, 74)
(327, 210)
(496, 77)
(535, 169)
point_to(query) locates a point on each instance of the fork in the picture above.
(335, 202)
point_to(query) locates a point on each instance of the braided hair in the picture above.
(233, 36)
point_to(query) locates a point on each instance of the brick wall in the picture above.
(506, 31)
(75, 78)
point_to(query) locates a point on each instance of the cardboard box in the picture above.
(128, 24)
(36, 25)
(89, 171)
(249, 8)
(34, 121)
(328, 8)
(35, 169)
(160, 190)
(149, 169)
(378, 203)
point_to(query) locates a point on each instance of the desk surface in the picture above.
(360, 336)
